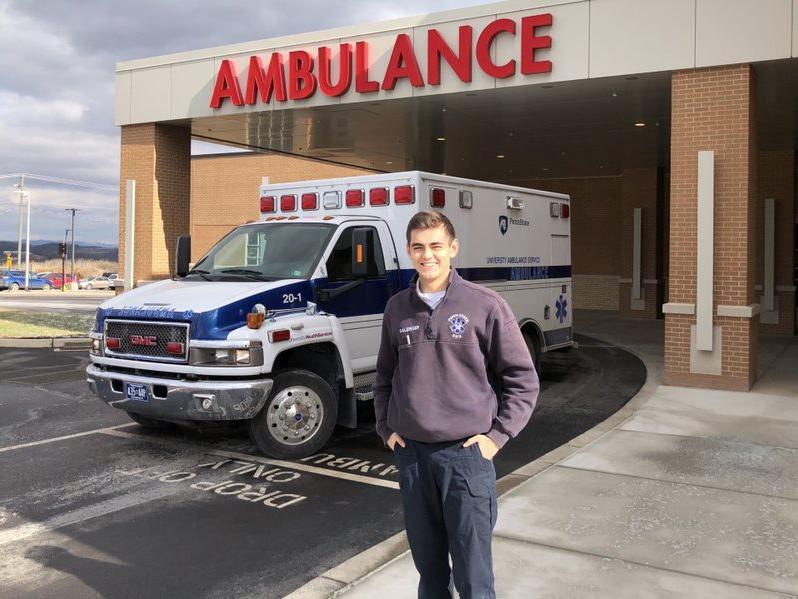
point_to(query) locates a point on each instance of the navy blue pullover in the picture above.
(455, 371)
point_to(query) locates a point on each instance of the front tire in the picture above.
(88, 287)
(298, 418)
(45, 287)
(14, 287)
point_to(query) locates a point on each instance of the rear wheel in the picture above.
(298, 418)
(46, 287)
(150, 423)
(533, 345)
(14, 287)
(88, 287)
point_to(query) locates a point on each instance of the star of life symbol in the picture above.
(457, 325)
(562, 309)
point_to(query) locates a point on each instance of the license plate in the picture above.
(136, 392)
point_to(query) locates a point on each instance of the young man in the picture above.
(454, 382)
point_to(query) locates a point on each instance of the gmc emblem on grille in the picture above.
(150, 340)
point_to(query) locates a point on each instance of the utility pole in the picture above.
(21, 190)
(27, 248)
(72, 268)
(62, 251)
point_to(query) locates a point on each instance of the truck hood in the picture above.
(194, 296)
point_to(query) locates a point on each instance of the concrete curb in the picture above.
(343, 577)
(45, 342)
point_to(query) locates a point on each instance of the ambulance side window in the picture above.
(339, 264)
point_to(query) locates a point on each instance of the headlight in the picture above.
(250, 355)
(231, 356)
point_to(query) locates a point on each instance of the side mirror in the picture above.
(182, 255)
(361, 250)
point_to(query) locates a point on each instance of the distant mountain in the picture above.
(49, 249)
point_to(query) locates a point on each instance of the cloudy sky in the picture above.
(57, 61)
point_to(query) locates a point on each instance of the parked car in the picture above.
(15, 280)
(57, 281)
(95, 283)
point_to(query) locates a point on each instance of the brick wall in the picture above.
(713, 109)
(158, 158)
(224, 189)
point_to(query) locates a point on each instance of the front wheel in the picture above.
(298, 418)
(88, 287)
(45, 287)
(14, 287)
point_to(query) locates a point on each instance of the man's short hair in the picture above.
(430, 219)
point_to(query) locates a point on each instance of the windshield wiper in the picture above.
(200, 272)
(252, 274)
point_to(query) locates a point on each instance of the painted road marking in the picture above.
(368, 480)
(23, 531)
(64, 437)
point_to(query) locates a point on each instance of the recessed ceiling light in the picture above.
(640, 124)
(443, 109)
(389, 162)
(545, 168)
(499, 155)
(440, 139)
(614, 94)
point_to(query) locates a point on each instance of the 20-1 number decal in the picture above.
(290, 298)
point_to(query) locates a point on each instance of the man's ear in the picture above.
(407, 248)
(455, 245)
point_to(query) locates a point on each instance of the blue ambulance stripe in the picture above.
(369, 298)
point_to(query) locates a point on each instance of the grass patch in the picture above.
(44, 324)
(83, 267)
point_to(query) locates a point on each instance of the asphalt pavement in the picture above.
(53, 300)
(92, 505)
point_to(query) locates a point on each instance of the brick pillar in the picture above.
(639, 190)
(158, 157)
(713, 109)
(776, 180)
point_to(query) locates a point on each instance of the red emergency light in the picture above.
(354, 198)
(565, 211)
(378, 196)
(437, 198)
(267, 203)
(288, 203)
(404, 194)
(310, 201)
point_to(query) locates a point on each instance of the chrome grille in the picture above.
(164, 332)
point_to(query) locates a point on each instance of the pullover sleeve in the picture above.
(509, 358)
(383, 386)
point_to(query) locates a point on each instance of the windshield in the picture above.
(266, 252)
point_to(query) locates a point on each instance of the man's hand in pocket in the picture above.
(393, 440)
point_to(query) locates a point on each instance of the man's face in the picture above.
(431, 251)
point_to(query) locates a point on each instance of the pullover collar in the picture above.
(455, 280)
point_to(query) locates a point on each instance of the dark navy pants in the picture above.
(449, 501)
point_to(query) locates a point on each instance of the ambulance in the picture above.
(279, 323)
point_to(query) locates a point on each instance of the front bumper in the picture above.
(170, 399)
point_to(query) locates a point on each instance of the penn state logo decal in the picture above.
(503, 224)
(457, 325)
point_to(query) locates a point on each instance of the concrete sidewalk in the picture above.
(686, 492)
